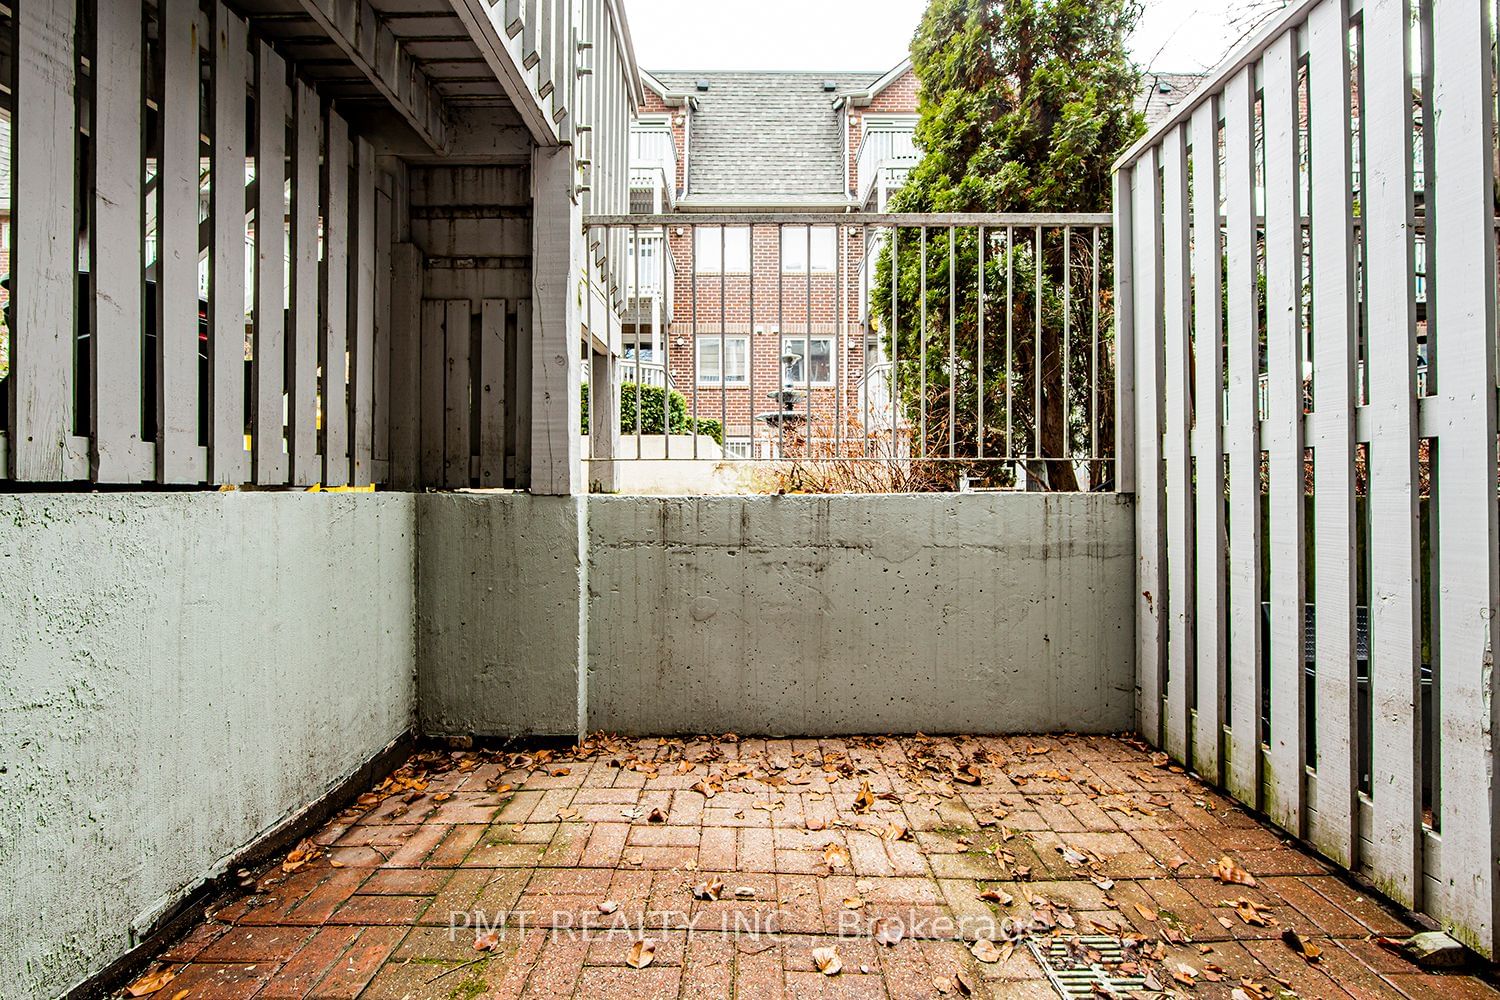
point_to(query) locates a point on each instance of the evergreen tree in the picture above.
(1024, 106)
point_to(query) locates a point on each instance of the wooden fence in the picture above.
(1321, 214)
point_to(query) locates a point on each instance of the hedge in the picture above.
(653, 398)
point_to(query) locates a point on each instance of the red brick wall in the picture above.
(900, 98)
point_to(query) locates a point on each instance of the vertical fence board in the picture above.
(117, 257)
(1242, 441)
(229, 461)
(302, 403)
(177, 454)
(334, 354)
(1146, 255)
(434, 360)
(457, 331)
(491, 391)
(519, 406)
(1395, 646)
(1176, 391)
(1209, 646)
(384, 315)
(42, 292)
(270, 266)
(407, 335)
(1125, 337)
(1468, 545)
(362, 367)
(1333, 827)
(1285, 762)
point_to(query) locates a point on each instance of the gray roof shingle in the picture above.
(765, 136)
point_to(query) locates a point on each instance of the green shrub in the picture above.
(652, 401)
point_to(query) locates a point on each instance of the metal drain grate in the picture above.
(1075, 964)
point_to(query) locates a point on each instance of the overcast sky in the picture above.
(1183, 35)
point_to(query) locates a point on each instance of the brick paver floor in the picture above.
(741, 862)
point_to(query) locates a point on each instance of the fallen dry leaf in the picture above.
(712, 890)
(1146, 912)
(997, 896)
(827, 961)
(608, 906)
(836, 856)
(486, 940)
(656, 816)
(568, 812)
(889, 932)
(865, 799)
(1309, 950)
(641, 954)
(853, 903)
(984, 949)
(1232, 874)
(150, 983)
(895, 832)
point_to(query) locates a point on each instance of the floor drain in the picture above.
(1077, 965)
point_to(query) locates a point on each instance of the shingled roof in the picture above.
(766, 137)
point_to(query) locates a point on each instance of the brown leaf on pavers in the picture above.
(985, 951)
(889, 932)
(865, 799)
(1176, 863)
(827, 961)
(641, 954)
(1186, 975)
(1104, 884)
(853, 903)
(1160, 760)
(895, 832)
(1226, 871)
(712, 890)
(706, 789)
(442, 796)
(608, 906)
(1146, 912)
(301, 855)
(151, 983)
(836, 856)
(1252, 913)
(486, 940)
(656, 816)
(568, 812)
(1072, 856)
(1310, 950)
(180, 994)
(816, 824)
(969, 774)
(997, 896)
(559, 772)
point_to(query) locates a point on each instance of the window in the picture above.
(737, 369)
(794, 249)
(737, 448)
(721, 250)
(794, 353)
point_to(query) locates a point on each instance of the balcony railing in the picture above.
(886, 156)
(653, 162)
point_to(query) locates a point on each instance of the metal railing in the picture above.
(995, 337)
(883, 149)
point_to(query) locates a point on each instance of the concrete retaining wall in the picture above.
(807, 615)
(179, 675)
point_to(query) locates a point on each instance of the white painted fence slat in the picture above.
(334, 354)
(457, 332)
(177, 450)
(433, 382)
(1468, 546)
(362, 367)
(270, 266)
(115, 334)
(408, 333)
(1285, 762)
(1146, 254)
(384, 315)
(1333, 828)
(1395, 644)
(1123, 245)
(229, 460)
(491, 393)
(1242, 442)
(1209, 645)
(302, 401)
(1177, 392)
(44, 274)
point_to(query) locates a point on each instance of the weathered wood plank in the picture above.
(556, 460)
(229, 460)
(384, 315)
(1242, 442)
(1210, 645)
(491, 391)
(457, 402)
(1468, 546)
(408, 332)
(116, 320)
(519, 403)
(334, 354)
(178, 457)
(1176, 305)
(1150, 582)
(1288, 587)
(1395, 623)
(1335, 347)
(302, 402)
(434, 380)
(362, 366)
(1123, 246)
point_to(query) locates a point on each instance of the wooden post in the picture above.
(556, 396)
(604, 409)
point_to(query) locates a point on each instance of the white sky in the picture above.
(1181, 35)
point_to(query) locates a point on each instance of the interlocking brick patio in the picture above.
(569, 857)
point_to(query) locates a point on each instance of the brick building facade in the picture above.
(793, 339)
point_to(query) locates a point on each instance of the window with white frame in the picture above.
(795, 368)
(722, 249)
(731, 367)
(794, 249)
(737, 447)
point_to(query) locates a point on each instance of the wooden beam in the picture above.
(357, 29)
(504, 53)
